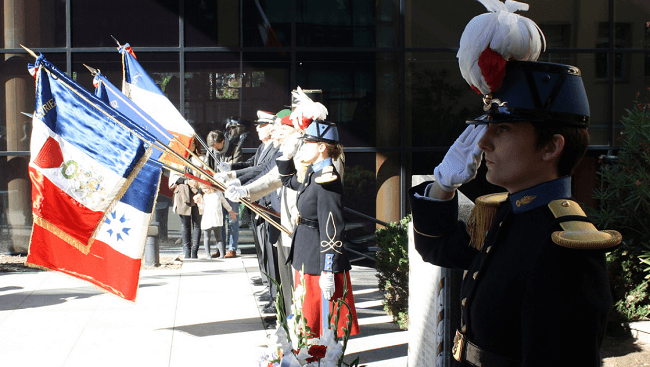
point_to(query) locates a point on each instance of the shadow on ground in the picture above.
(220, 327)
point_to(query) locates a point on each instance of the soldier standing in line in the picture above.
(536, 288)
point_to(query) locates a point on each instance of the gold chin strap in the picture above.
(579, 234)
(482, 217)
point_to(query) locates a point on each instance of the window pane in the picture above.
(266, 85)
(439, 100)
(37, 24)
(347, 23)
(109, 64)
(597, 92)
(359, 184)
(429, 24)
(637, 15)
(218, 86)
(432, 24)
(144, 23)
(267, 23)
(212, 89)
(360, 106)
(211, 23)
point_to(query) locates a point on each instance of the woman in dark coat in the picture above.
(317, 240)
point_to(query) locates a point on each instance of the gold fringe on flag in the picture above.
(84, 248)
(482, 217)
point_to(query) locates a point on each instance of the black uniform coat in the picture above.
(259, 162)
(523, 297)
(322, 205)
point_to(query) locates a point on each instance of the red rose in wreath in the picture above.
(317, 351)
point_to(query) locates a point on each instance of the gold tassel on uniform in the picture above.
(482, 217)
(301, 170)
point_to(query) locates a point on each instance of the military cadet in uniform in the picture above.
(536, 289)
(317, 240)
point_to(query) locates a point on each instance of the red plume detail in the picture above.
(493, 68)
(50, 155)
(476, 90)
(304, 122)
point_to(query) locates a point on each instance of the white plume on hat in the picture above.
(502, 33)
(306, 110)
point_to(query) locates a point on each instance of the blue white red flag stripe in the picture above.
(50, 251)
(84, 156)
(108, 93)
(142, 90)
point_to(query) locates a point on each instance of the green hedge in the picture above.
(393, 269)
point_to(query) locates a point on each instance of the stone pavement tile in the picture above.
(225, 343)
(38, 337)
(121, 346)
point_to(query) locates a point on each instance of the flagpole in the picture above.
(158, 145)
(94, 72)
(179, 171)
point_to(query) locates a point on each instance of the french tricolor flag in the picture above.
(114, 260)
(108, 93)
(84, 157)
(140, 88)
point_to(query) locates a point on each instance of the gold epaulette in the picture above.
(578, 234)
(327, 175)
(482, 217)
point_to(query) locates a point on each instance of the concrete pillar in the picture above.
(434, 300)
(19, 96)
(387, 101)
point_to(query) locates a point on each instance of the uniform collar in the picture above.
(319, 166)
(541, 194)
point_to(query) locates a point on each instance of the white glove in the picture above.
(233, 182)
(326, 283)
(221, 177)
(462, 159)
(234, 193)
(290, 146)
(223, 167)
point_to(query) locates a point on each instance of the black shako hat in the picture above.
(538, 92)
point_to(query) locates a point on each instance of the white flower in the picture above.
(282, 341)
(290, 360)
(334, 349)
(303, 354)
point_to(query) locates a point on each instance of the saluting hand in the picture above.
(462, 159)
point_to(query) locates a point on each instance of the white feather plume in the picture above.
(306, 109)
(512, 36)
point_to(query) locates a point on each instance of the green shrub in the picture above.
(624, 197)
(393, 269)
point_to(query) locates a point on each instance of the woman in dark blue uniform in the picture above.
(317, 239)
(536, 289)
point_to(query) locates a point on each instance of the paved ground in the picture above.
(202, 314)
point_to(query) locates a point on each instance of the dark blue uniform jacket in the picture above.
(522, 297)
(322, 205)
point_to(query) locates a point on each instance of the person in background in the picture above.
(212, 219)
(185, 191)
(227, 151)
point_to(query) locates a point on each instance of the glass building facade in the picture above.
(387, 69)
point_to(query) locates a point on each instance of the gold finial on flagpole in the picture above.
(92, 70)
(116, 41)
(30, 52)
